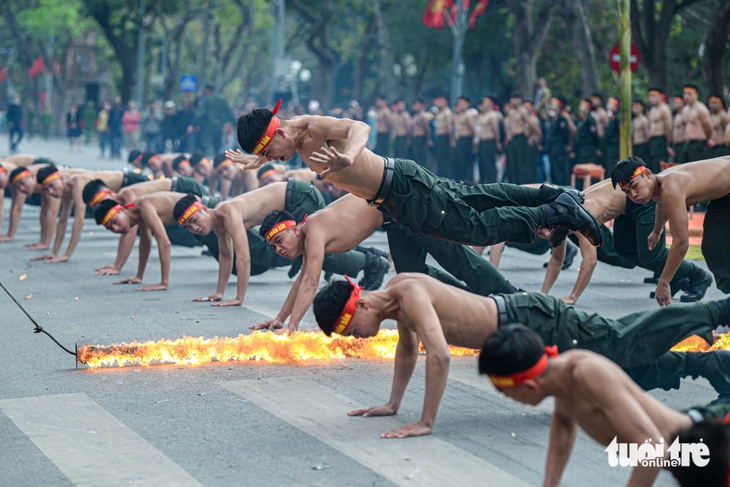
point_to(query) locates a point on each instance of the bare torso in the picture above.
(487, 123)
(130, 194)
(163, 204)
(385, 121)
(112, 179)
(678, 129)
(362, 178)
(692, 117)
(718, 127)
(658, 116)
(699, 181)
(402, 122)
(19, 160)
(464, 125)
(444, 122)
(466, 319)
(601, 118)
(350, 213)
(640, 126)
(516, 122)
(252, 207)
(421, 125)
(589, 411)
(604, 201)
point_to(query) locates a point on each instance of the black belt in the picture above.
(501, 310)
(289, 193)
(174, 184)
(388, 172)
(696, 141)
(125, 181)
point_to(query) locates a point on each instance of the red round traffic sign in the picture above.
(614, 58)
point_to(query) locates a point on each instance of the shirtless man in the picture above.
(276, 173)
(23, 182)
(410, 194)
(591, 393)
(97, 191)
(322, 233)
(599, 114)
(151, 212)
(385, 127)
(632, 226)
(674, 190)
(444, 136)
(69, 190)
(231, 220)
(521, 168)
(438, 315)
(660, 130)
(462, 166)
(678, 129)
(8, 165)
(239, 181)
(421, 133)
(697, 126)
(586, 142)
(640, 131)
(403, 131)
(716, 104)
(489, 143)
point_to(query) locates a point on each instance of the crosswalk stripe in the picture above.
(322, 413)
(89, 445)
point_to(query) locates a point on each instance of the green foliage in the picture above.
(48, 18)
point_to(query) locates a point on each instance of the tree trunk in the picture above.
(583, 42)
(363, 61)
(716, 39)
(529, 38)
(385, 79)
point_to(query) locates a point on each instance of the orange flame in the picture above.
(257, 346)
(695, 343)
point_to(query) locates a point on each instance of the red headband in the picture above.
(639, 171)
(281, 226)
(268, 173)
(50, 178)
(98, 197)
(266, 139)
(191, 210)
(513, 380)
(349, 310)
(110, 214)
(21, 175)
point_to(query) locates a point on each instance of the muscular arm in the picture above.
(667, 121)
(49, 211)
(66, 206)
(355, 132)
(704, 116)
(126, 243)
(563, 431)
(311, 270)
(495, 127)
(78, 226)
(555, 265)
(237, 232)
(149, 216)
(16, 209)
(587, 266)
(673, 203)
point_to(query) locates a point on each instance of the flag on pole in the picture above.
(480, 8)
(37, 67)
(434, 15)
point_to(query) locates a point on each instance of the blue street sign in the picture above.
(188, 83)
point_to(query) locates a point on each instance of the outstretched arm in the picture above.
(77, 228)
(588, 263)
(148, 214)
(66, 206)
(356, 134)
(555, 265)
(563, 431)
(234, 240)
(49, 212)
(673, 203)
(311, 270)
(126, 243)
(16, 207)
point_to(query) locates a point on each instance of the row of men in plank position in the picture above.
(413, 204)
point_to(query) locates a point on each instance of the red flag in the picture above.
(37, 67)
(455, 11)
(478, 10)
(3, 74)
(434, 16)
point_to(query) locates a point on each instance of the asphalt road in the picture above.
(251, 423)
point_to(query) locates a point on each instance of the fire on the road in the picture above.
(696, 344)
(257, 346)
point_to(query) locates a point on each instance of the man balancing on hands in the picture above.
(322, 233)
(440, 315)
(97, 191)
(632, 225)
(411, 195)
(231, 221)
(594, 394)
(674, 190)
(69, 189)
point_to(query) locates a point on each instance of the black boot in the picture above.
(567, 212)
(508, 288)
(549, 193)
(724, 306)
(374, 272)
(699, 282)
(675, 285)
(713, 366)
(653, 279)
(558, 235)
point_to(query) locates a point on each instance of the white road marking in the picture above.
(89, 445)
(322, 413)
